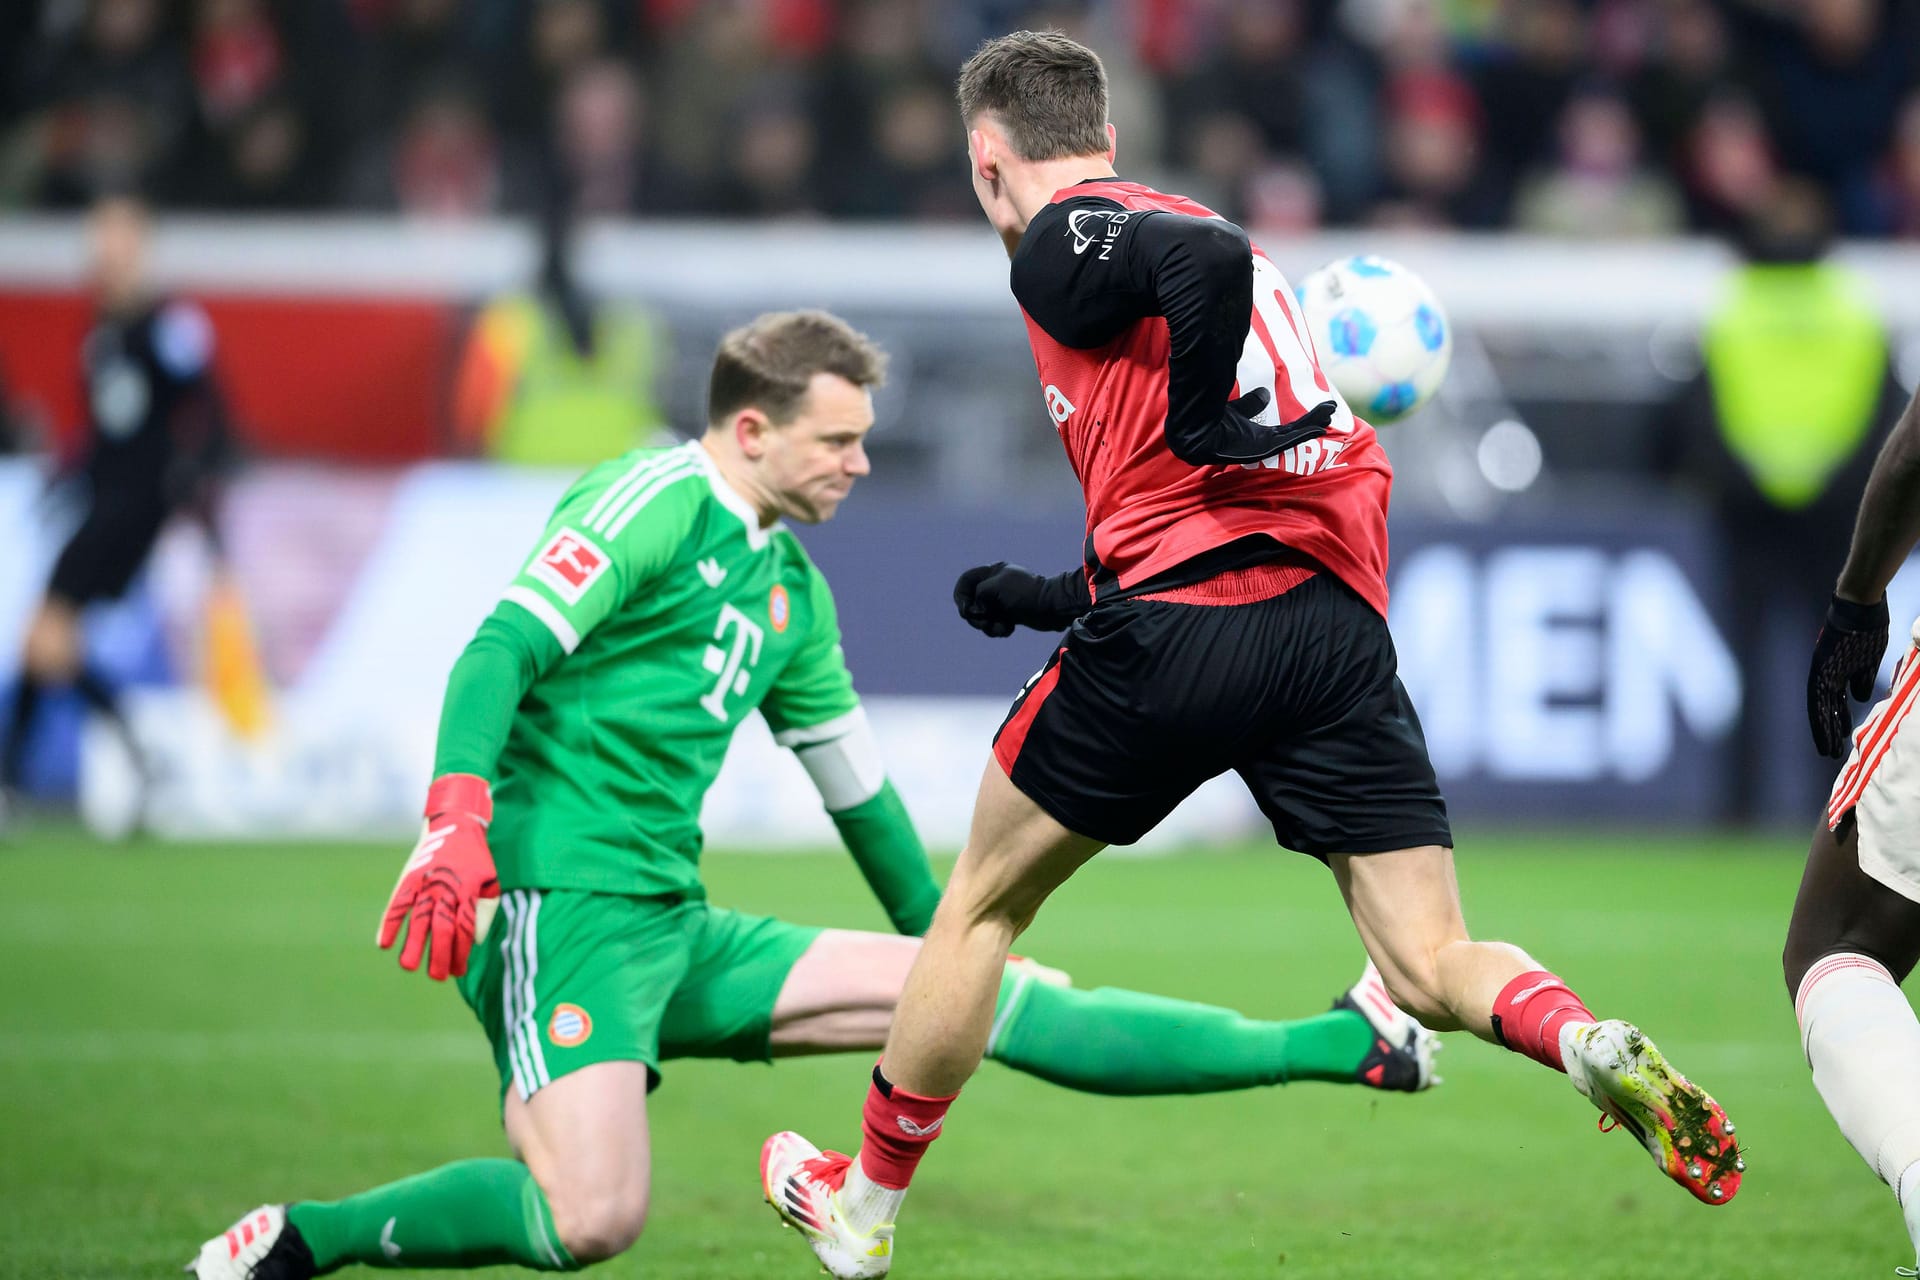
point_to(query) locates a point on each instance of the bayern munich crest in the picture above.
(569, 1026)
(779, 610)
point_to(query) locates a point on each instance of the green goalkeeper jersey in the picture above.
(675, 616)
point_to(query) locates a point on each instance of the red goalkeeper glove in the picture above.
(450, 870)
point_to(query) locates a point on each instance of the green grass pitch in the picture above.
(185, 1032)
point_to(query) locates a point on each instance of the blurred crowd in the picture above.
(1584, 118)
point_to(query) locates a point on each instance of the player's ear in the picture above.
(750, 430)
(1113, 142)
(980, 151)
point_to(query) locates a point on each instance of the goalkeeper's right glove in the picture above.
(450, 870)
(996, 598)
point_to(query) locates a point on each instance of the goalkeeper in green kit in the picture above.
(582, 727)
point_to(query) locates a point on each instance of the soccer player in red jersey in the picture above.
(1229, 615)
(1855, 933)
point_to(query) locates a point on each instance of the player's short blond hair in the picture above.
(769, 362)
(1049, 91)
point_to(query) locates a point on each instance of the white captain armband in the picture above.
(841, 756)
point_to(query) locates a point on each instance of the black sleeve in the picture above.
(1088, 268)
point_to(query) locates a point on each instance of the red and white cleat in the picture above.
(261, 1246)
(1403, 1050)
(803, 1183)
(1685, 1131)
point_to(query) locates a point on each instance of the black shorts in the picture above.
(106, 550)
(1300, 695)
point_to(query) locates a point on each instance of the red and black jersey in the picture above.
(1147, 314)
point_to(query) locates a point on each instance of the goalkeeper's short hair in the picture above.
(769, 362)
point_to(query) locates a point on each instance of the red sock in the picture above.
(895, 1131)
(1529, 1012)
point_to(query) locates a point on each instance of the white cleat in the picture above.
(1403, 1049)
(802, 1183)
(261, 1246)
(1687, 1133)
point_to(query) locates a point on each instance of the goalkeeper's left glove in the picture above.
(996, 598)
(1846, 659)
(450, 870)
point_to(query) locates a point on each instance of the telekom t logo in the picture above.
(731, 659)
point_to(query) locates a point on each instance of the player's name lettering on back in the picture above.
(1304, 459)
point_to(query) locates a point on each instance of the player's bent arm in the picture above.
(1888, 524)
(843, 759)
(1089, 268)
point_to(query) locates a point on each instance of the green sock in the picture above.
(1129, 1043)
(469, 1214)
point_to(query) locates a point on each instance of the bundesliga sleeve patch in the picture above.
(570, 564)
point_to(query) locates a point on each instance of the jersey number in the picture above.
(1279, 356)
(731, 659)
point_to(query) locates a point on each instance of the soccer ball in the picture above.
(1380, 334)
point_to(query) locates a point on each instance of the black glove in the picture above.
(1846, 658)
(996, 598)
(1235, 437)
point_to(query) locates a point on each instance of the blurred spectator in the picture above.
(769, 168)
(1777, 434)
(445, 161)
(1898, 188)
(565, 37)
(266, 162)
(1599, 190)
(877, 61)
(114, 97)
(1730, 172)
(721, 54)
(1690, 62)
(600, 125)
(1431, 178)
(405, 47)
(1410, 112)
(553, 377)
(1833, 74)
(1255, 73)
(1284, 199)
(236, 59)
(1526, 84)
(914, 172)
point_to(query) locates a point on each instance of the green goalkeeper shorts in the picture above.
(566, 978)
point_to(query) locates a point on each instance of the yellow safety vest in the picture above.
(1796, 357)
(569, 409)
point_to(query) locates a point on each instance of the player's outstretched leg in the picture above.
(1130, 1044)
(474, 1213)
(1852, 940)
(1406, 905)
(840, 995)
